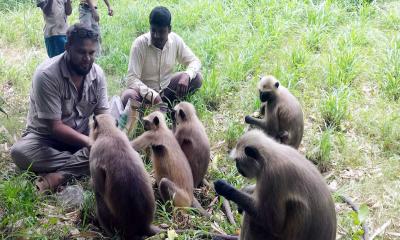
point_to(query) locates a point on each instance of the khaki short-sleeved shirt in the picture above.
(56, 22)
(53, 96)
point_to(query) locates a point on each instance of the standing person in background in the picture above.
(89, 16)
(55, 14)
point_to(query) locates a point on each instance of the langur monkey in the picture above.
(192, 138)
(124, 196)
(282, 114)
(291, 199)
(172, 170)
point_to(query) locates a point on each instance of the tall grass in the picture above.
(340, 58)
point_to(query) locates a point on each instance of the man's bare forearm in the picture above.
(107, 3)
(68, 135)
(68, 8)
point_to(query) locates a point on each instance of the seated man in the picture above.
(151, 65)
(66, 91)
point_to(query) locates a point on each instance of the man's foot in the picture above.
(49, 182)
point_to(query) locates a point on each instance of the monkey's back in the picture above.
(170, 162)
(290, 117)
(127, 190)
(194, 143)
(302, 181)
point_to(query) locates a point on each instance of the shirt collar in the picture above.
(91, 76)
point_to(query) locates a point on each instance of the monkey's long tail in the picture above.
(355, 209)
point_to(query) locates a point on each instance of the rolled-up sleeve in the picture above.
(187, 58)
(47, 97)
(102, 104)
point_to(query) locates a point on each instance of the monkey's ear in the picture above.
(252, 152)
(116, 122)
(95, 123)
(156, 121)
(182, 114)
(277, 84)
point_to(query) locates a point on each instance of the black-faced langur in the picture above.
(281, 111)
(125, 200)
(291, 199)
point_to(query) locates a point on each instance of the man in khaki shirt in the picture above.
(66, 91)
(153, 58)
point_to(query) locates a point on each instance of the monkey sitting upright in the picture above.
(192, 138)
(124, 196)
(291, 199)
(282, 114)
(171, 168)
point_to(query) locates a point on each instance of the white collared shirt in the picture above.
(150, 68)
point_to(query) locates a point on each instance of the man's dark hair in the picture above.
(160, 17)
(78, 32)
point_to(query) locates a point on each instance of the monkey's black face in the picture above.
(267, 96)
(147, 125)
(247, 167)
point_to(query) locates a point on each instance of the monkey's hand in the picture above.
(224, 189)
(247, 119)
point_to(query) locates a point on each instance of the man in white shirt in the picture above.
(152, 60)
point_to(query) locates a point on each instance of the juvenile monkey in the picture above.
(172, 170)
(283, 117)
(290, 199)
(124, 197)
(192, 138)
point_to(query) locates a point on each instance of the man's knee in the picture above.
(19, 156)
(130, 94)
(196, 82)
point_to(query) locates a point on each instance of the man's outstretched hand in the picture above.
(183, 86)
(110, 11)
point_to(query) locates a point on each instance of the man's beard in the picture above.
(80, 71)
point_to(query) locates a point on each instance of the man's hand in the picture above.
(183, 85)
(110, 11)
(96, 16)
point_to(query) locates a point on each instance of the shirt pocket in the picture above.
(88, 105)
(67, 107)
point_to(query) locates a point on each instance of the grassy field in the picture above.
(341, 58)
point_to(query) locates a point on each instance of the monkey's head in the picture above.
(268, 86)
(248, 154)
(154, 121)
(184, 111)
(102, 124)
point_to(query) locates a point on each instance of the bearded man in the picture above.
(66, 90)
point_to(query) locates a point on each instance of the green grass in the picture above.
(340, 58)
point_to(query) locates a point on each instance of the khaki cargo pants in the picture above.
(41, 154)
